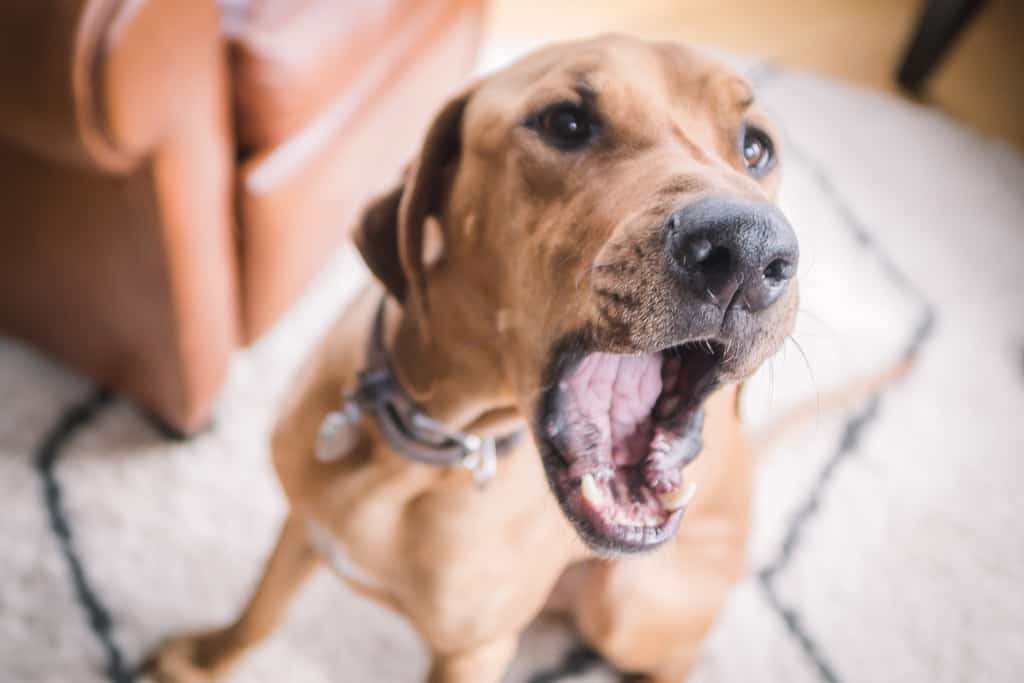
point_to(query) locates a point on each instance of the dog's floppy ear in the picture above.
(377, 241)
(391, 233)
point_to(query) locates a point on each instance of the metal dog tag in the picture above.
(339, 433)
(481, 458)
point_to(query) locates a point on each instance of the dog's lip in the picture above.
(605, 535)
(600, 526)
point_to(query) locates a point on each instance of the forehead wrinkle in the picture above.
(561, 82)
(691, 107)
(728, 92)
(747, 101)
(682, 71)
(585, 89)
(691, 145)
(726, 98)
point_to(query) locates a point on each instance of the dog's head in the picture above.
(592, 231)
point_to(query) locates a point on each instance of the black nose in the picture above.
(728, 251)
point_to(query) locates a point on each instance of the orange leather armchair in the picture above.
(173, 172)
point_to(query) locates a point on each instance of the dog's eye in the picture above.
(566, 126)
(757, 151)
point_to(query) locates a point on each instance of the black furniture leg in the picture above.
(937, 27)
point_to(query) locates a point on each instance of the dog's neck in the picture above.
(446, 380)
(411, 427)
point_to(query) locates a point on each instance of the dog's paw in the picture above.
(183, 660)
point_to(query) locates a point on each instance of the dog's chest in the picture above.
(462, 555)
(338, 557)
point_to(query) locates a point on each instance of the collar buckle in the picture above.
(480, 453)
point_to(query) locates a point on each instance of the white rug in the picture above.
(889, 539)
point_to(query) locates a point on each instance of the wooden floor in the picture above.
(981, 83)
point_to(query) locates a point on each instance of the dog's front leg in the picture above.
(485, 663)
(207, 656)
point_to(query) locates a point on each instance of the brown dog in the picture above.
(586, 247)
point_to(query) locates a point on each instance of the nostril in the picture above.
(760, 294)
(700, 255)
(697, 250)
(779, 270)
(717, 260)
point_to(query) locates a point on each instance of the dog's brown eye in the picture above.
(758, 152)
(566, 126)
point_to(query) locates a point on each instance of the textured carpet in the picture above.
(888, 541)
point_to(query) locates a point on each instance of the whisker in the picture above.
(814, 380)
(819, 320)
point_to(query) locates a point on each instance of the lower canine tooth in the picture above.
(679, 498)
(592, 493)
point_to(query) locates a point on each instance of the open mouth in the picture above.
(618, 432)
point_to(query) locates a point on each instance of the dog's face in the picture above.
(608, 254)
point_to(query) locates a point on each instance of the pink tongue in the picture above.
(615, 395)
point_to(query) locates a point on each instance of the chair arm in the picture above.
(96, 83)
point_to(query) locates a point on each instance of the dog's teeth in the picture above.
(680, 498)
(592, 493)
(691, 491)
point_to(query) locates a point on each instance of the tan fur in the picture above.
(527, 236)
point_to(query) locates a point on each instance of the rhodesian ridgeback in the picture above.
(585, 254)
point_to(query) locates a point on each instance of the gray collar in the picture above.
(407, 429)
